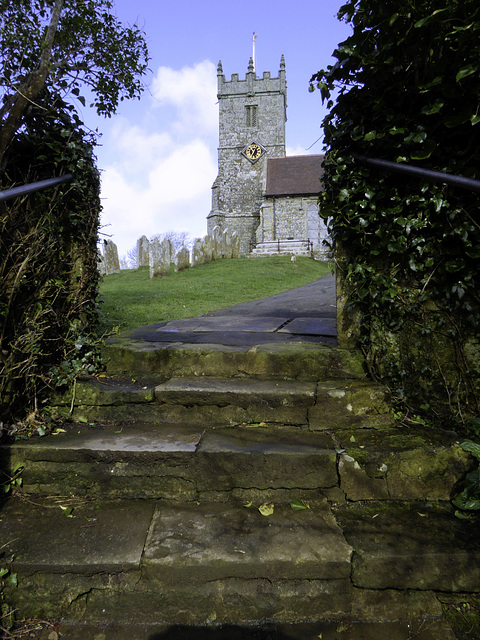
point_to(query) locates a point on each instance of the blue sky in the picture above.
(158, 156)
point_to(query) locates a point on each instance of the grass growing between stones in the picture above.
(132, 299)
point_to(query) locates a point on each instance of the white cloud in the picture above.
(297, 151)
(157, 177)
(177, 197)
(193, 91)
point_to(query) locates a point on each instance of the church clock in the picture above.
(253, 151)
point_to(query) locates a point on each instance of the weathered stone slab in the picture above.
(109, 538)
(415, 545)
(229, 601)
(420, 630)
(263, 458)
(401, 463)
(208, 542)
(357, 484)
(135, 355)
(241, 392)
(106, 390)
(113, 463)
(355, 403)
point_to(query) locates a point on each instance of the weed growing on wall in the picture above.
(48, 260)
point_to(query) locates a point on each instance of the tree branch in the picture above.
(30, 89)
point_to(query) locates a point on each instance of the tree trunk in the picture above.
(30, 89)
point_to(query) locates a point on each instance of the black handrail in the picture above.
(25, 189)
(428, 174)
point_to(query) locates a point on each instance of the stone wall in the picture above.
(293, 218)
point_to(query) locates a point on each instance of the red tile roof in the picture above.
(294, 175)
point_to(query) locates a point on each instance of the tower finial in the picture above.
(282, 63)
(219, 68)
(251, 68)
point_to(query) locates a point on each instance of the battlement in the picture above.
(251, 84)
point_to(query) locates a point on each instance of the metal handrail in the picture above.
(32, 187)
(434, 176)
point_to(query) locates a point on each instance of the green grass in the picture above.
(132, 299)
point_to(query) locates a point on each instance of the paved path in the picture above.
(304, 314)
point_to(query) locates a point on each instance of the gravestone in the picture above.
(143, 252)
(197, 252)
(110, 257)
(182, 259)
(161, 257)
(236, 245)
(227, 248)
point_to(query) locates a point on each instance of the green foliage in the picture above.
(408, 90)
(7, 614)
(132, 299)
(54, 53)
(469, 498)
(91, 49)
(12, 482)
(48, 257)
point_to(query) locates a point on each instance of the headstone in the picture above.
(208, 248)
(235, 245)
(182, 259)
(217, 243)
(227, 244)
(143, 252)
(197, 252)
(110, 257)
(101, 264)
(161, 255)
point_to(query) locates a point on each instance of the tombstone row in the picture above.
(159, 255)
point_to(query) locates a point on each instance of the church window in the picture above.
(251, 115)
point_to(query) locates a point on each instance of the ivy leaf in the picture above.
(471, 447)
(469, 504)
(466, 71)
(12, 579)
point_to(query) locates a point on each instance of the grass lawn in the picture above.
(132, 299)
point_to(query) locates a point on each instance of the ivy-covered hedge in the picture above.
(48, 260)
(408, 83)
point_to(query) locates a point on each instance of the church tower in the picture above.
(252, 117)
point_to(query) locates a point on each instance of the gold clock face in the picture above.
(253, 151)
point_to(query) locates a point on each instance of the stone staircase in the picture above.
(215, 485)
(282, 248)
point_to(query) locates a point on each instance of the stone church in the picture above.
(267, 198)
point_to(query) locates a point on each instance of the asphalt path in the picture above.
(306, 314)
(314, 300)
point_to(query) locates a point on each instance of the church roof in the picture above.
(294, 176)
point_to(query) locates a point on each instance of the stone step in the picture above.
(177, 462)
(283, 247)
(190, 463)
(432, 628)
(164, 563)
(131, 355)
(213, 401)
